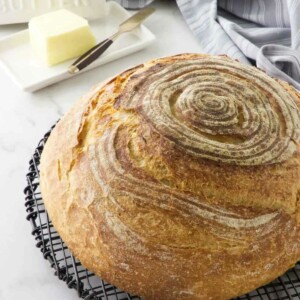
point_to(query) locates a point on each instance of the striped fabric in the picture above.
(265, 32)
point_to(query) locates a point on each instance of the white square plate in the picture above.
(17, 57)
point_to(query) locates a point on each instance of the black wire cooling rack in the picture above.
(88, 285)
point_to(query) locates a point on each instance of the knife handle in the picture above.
(90, 56)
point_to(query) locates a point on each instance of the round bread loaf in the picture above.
(179, 178)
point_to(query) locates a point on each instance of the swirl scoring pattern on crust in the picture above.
(174, 173)
(209, 108)
(217, 109)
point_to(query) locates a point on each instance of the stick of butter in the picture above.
(60, 35)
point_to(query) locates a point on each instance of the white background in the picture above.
(24, 118)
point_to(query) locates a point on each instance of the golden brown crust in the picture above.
(179, 178)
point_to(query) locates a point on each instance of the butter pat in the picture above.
(59, 36)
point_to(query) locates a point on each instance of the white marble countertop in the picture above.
(24, 118)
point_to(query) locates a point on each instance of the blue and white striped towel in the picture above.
(265, 32)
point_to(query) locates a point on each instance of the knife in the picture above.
(92, 54)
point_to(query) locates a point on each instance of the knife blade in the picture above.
(128, 25)
(135, 20)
